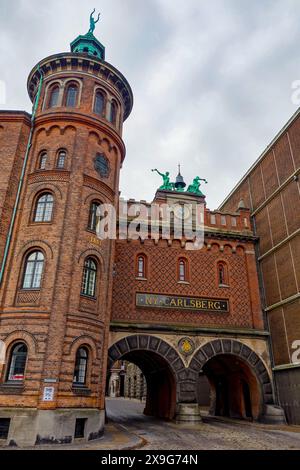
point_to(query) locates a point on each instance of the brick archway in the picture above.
(231, 348)
(153, 350)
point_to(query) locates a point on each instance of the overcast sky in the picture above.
(211, 78)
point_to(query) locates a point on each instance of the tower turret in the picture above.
(64, 285)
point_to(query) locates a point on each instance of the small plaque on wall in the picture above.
(48, 394)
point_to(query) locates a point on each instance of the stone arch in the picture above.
(240, 250)
(94, 252)
(240, 350)
(41, 187)
(38, 244)
(82, 341)
(227, 248)
(95, 135)
(95, 196)
(68, 128)
(22, 335)
(156, 345)
(54, 128)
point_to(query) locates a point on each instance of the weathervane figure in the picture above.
(93, 21)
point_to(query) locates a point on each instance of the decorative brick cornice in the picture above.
(55, 117)
(86, 64)
(99, 186)
(15, 116)
(48, 175)
(187, 329)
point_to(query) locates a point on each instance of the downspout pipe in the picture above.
(21, 181)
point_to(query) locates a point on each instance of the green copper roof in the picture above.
(88, 43)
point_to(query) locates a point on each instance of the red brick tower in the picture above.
(56, 276)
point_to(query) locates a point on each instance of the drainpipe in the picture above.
(20, 185)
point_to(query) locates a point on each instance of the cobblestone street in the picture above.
(213, 434)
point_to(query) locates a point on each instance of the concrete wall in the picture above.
(30, 426)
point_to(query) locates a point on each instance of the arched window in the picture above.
(222, 274)
(141, 266)
(54, 94)
(89, 278)
(113, 113)
(93, 219)
(182, 270)
(61, 158)
(43, 160)
(44, 208)
(71, 97)
(17, 362)
(33, 270)
(99, 103)
(80, 366)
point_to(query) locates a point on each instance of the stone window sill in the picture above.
(80, 390)
(183, 282)
(225, 286)
(28, 289)
(141, 278)
(88, 297)
(12, 388)
(40, 222)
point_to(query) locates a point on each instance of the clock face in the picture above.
(182, 212)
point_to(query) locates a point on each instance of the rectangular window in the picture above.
(4, 427)
(213, 219)
(80, 427)
(233, 221)
(223, 220)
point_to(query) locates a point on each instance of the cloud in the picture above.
(211, 78)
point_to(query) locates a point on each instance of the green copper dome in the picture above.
(88, 44)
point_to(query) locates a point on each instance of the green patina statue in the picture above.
(167, 185)
(93, 21)
(180, 184)
(194, 187)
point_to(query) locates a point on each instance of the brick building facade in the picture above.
(271, 190)
(71, 305)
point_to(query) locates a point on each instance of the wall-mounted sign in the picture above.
(48, 394)
(95, 241)
(181, 302)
